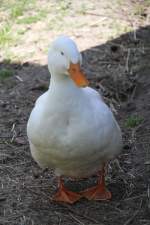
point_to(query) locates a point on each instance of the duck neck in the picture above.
(60, 84)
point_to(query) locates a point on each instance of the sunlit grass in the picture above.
(32, 19)
(19, 17)
(17, 10)
(5, 35)
(11, 10)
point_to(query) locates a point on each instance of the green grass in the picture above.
(5, 35)
(32, 19)
(28, 20)
(133, 121)
(60, 16)
(4, 73)
(17, 10)
(139, 9)
(13, 9)
(8, 37)
(64, 5)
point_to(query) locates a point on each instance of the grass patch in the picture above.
(32, 19)
(133, 121)
(4, 73)
(8, 36)
(28, 20)
(139, 9)
(5, 35)
(63, 7)
(17, 10)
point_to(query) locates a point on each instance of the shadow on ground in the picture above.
(121, 70)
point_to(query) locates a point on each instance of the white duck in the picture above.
(71, 129)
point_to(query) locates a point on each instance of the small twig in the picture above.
(95, 23)
(59, 220)
(13, 127)
(127, 60)
(95, 14)
(116, 161)
(14, 132)
(77, 220)
(19, 78)
(133, 93)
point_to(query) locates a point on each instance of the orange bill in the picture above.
(77, 75)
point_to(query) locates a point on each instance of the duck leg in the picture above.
(98, 192)
(64, 195)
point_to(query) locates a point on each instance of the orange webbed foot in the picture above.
(64, 195)
(98, 192)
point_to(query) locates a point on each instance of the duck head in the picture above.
(64, 61)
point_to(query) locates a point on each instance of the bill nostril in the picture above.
(73, 70)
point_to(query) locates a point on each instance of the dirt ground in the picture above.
(120, 69)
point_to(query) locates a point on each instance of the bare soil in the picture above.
(120, 69)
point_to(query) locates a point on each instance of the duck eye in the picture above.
(62, 53)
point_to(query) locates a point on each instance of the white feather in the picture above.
(71, 129)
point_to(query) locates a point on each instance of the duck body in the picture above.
(72, 130)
